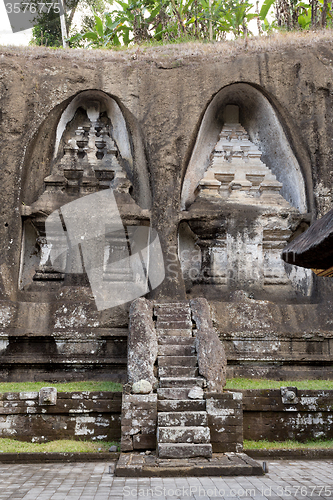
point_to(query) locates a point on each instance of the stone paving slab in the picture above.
(221, 464)
(285, 480)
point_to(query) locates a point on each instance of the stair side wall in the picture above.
(212, 360)
(142, 342)
(138, 422)
(225, 420)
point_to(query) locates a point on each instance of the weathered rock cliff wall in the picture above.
(163, 94)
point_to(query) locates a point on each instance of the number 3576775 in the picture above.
(32, 8)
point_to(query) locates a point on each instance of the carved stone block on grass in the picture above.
(48, 396)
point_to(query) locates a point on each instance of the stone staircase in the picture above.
(182, 425)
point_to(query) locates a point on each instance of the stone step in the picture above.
(175, 405)
(173, 309)
(182, 450)
(180, 434)
(173, 393)
(183, 419)
(173, 325)
(176, 350)
(176, 340)
(177, 315)
(174, 332)
(177, 361)
(180, 382)
(178, 371)
(172, 306)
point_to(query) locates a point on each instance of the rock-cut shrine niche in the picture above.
(237, 221)
(85, 220)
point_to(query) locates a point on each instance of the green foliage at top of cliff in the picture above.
(114, 23)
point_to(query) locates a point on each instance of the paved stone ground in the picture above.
(308, 479)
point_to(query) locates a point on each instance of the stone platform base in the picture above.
(221, 464)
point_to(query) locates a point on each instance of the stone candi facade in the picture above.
(237, 185)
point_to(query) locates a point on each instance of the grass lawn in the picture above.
(61, 387)
(71, 446)
(247, 383)
(95, 385)
(62, 445)
(287, 445)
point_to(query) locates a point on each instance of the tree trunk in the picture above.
(71, 15)
(294, 14)
(324, 14)
(258, 19)
(313, 14)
